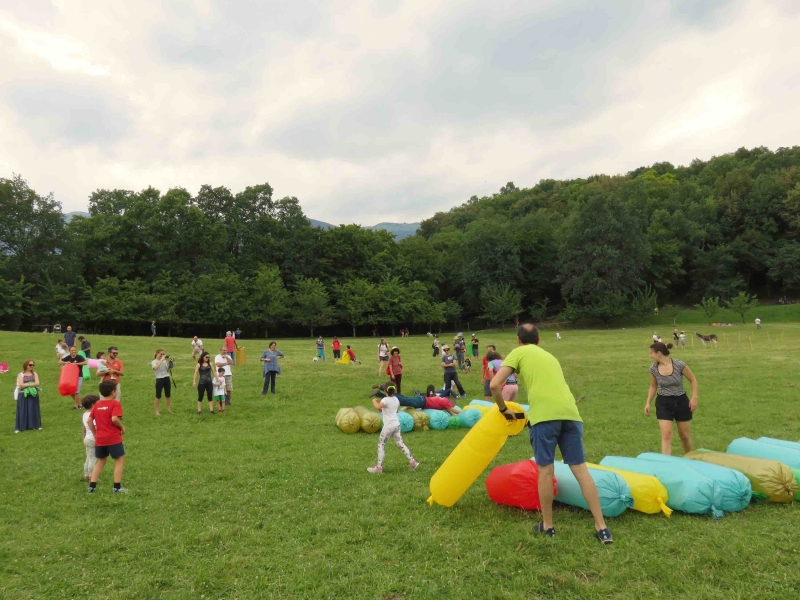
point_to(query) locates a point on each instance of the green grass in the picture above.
(273, 501)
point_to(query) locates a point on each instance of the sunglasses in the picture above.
(31, 364)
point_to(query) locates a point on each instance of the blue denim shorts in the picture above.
(567, 435)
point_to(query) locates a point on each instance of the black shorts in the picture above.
(673, 408)
(384, 358)
(115, 450)
(163, 384)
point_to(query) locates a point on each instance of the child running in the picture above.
(88, 437)
(219, 389)
(391, 428)
(105, 423)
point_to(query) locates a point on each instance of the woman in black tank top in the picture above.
(204, 385)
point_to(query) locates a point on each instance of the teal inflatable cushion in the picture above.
(487, 404)
(776, 442)
(615, 493)
(688, 490)
(406, 421)
(439, 418)
(469, 417)
(735, 487)
(748, 447)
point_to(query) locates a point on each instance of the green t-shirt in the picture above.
(548, 392)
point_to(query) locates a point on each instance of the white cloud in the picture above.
(376, 110)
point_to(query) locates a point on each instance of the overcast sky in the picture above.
(383, 110)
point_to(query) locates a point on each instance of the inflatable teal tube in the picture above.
(406, 421)
(748, 447)
(776, 442)
(469, 417)
(487, 404)
(735, 487)
(439, 418)
(689, 491)
(615, 494)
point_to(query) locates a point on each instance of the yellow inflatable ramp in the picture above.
(648, 493)
(473, 454)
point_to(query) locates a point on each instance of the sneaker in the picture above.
(121, 490)
(375, 470)
(17, 431)
(604, 536)
(413, 465)
(211, 412)
(539, 528)
(91, 490)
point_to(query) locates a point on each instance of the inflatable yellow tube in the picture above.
(648, 493)
(370, 420)
(472, 455)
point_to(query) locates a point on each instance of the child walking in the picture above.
(219, 389)
(391, 428)
(88, 437)
(105, 423)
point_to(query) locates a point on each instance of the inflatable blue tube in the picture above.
(439, 418)
(776, 442)
(487, 404)
(689, 491)
(469, 417)
(406, 421)
(735, 487)
(748, 447)
(615, 494)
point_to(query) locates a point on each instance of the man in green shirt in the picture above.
(554, 421)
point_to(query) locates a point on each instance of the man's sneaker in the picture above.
(539, 528)
(413, 465)
(375, 470)
(604, 536)
(121, 490)
(91, 490)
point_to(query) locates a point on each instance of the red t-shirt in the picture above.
(351, 354)
(437, 403)
(230, 343)
(397, 366)
(107, 434)
(117, 366)
(336, 344)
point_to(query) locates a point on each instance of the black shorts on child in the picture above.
(115, 450)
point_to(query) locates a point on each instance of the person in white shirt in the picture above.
(61, 350)
(383, 356)
(758, 323)
(391, 428)
(223, 359)
(160, 366)
(197, 346)
(682, 338)
(219, 389)
(88, 437)
(558, 336)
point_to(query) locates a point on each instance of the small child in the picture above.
(391, 428)
(558, 336)
(105, 423)
(219, 389)
(88, 437)
(352, 356)
(682, 337)
(102, 366)
(467, 365)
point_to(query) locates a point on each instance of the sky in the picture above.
(384, 110)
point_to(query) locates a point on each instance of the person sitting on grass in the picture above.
(554, 421)
(105, 423)
(219, 389)
(391, 429)
(352, 356)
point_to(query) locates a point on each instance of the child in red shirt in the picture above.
(436, 402)
(105, 423)
(352, 356)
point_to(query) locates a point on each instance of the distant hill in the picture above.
(78, 213)
(400, 230)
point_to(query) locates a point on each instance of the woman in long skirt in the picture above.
(29, 415)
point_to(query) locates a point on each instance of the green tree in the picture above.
(12, 300)
(311, 304)
(742, 304)
(501, 303)
(710, 306)
(643, 302)
(672, 311)
(269, 301)
(357, 300)
(539, 310)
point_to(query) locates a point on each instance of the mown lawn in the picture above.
(271, 500)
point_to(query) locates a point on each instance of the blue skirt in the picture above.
(29, 415)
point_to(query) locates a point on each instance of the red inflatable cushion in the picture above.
(68, 382)
(516, 484)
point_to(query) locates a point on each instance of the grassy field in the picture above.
(271, 500)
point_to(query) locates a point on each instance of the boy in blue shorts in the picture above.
(105, 423)
(554, 421)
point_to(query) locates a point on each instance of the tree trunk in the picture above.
(392, 329)
(354, 331)
(312, 331)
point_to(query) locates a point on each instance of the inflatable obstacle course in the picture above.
(348, 420)
(614, 492)
(370, 420)
(648, 493)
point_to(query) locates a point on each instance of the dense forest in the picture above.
(594, 249)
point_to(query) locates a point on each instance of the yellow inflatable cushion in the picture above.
(370, 420)
(348, 420)
(648, 493)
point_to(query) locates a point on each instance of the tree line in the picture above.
(596, 249)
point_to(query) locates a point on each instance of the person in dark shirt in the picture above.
(69, 337)
(86, 346)
(73, 357)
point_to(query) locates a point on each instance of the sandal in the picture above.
(604, 536)
(539, 528)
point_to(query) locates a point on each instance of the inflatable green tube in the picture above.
(770, 479)
(453, 422)
(348, 420)
(370, 420)
(615, 494)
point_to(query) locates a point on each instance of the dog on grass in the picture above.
(706, 338)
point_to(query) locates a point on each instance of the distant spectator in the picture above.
(337, 348)
(86, 346)
(29, 414)
(396, 369)
(197, 346)
(73, 358)
(230, 346)
(383, 356)
(352, 356)
(62, 350)
(152, 329)
(272, 369)
(160, 367)
(320, 348)
(237, 334)
(69, 337)
(225, 361)
(435, 346)
(115, 370)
